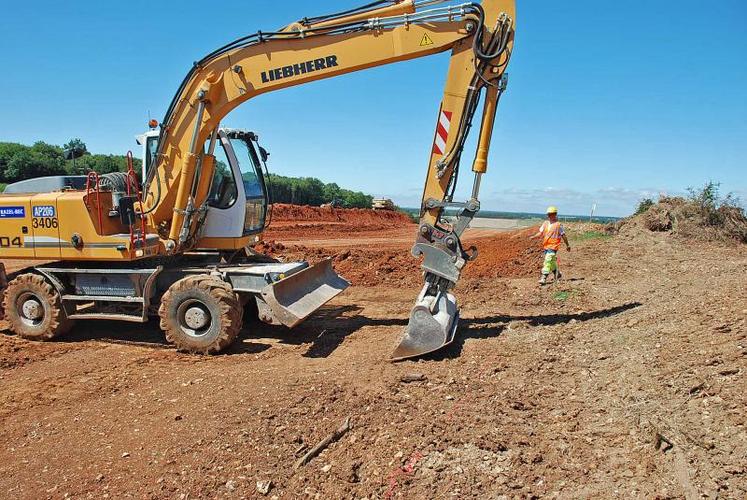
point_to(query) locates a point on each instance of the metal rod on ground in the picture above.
(345, 427)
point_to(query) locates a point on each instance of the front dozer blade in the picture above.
(294, 298)
(432, 326)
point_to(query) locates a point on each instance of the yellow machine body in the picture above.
(64, 225)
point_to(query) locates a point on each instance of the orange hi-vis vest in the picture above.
(551, 233)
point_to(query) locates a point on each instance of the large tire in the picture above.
(33, 308)
(200, 314)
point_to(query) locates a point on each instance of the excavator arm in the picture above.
(480, 37)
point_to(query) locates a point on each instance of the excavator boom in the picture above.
(480, 37)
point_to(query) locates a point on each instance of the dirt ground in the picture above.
(625, 379)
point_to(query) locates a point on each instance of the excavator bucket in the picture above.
(294, 298)
(432, 326)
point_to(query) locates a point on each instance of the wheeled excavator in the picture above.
(178, 245)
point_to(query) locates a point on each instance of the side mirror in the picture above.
(263, 153)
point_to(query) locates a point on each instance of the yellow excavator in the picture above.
(181, 247)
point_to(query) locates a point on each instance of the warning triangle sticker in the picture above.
(426, 40)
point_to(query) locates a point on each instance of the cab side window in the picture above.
(223, 192)
(151, 146)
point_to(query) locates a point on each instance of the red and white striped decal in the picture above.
(442, 133)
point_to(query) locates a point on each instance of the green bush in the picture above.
(644, 205)
(19, 162)
(713, 208)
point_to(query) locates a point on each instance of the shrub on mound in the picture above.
(703, 215)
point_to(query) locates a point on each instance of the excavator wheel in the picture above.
(200, 314)
(33, 308)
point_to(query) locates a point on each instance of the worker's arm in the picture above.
(567, 244)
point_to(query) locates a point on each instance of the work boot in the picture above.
(558, 275)
(543, 279)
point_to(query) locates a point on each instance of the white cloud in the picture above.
(610, 201)
(613, 201)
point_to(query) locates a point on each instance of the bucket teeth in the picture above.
(432, 326)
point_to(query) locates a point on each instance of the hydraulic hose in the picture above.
(311, 20)
(497, 49)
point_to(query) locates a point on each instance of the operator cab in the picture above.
(238, 176)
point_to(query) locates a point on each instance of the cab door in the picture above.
(237, 201)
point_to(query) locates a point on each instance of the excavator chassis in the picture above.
(285, 293)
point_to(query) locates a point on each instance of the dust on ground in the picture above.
(627, 378)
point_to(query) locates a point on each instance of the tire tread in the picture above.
(228, 303)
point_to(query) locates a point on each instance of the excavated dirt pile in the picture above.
(306, 221)
(690, 219)
(502, 255)
(506, 255)
(293, 213)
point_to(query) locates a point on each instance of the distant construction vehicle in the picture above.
(383, 204)
(181, 248)
(336, 203)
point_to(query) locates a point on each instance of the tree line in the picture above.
(20, 162)
(312, 191)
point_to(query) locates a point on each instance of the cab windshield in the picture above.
(245, 155)
(254, 185)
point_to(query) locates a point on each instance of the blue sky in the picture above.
(607, 102)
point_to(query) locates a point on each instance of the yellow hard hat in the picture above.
(552, 210)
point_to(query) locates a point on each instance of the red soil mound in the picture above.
(510, 255)
(295, 213)
(298, 221)
(503, 255)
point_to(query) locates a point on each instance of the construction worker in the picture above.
(552, 233)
